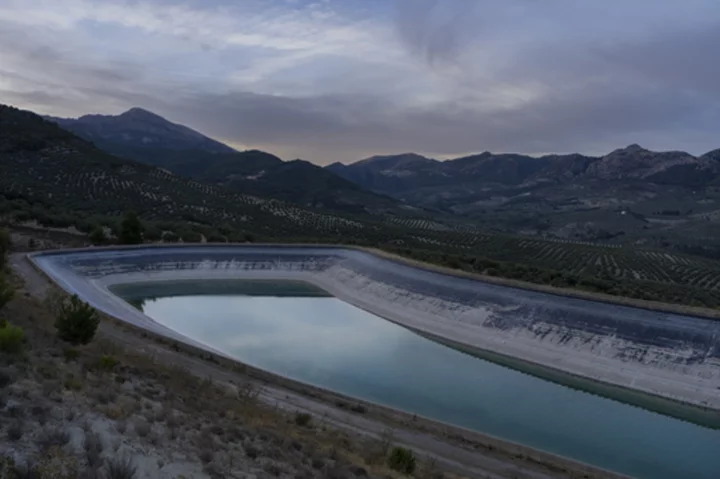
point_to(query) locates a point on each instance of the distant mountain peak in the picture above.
(402, 158)
(712, 155)
(139, 129)
(634, 148)
(137, 112)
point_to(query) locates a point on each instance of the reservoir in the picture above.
(298, 331)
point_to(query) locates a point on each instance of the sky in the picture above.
(341, 80)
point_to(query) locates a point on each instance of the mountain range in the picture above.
(630, 194)
(410, 171)
(143, 136)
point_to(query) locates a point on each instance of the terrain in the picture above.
(665, 200)
(631, 195)
(130, 399)
(57, 185)
(670, 356)
(148, 138)
(50, 178)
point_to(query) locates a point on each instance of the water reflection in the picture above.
(329, 343)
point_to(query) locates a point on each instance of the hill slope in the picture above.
(48, 174)
(52, 169)
(631, 194)
(148, 138)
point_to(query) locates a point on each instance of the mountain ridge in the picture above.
(138, 126)
(144, 136)
(631, 162)
(629, 194)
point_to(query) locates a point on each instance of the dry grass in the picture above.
(154, 406)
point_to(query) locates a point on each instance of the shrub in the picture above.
(15, 430)
(11, 338)
(6, 379)
(358, 408)
(170, 237)
(108, 362)
(77, 321)
(71, 354)
(53, 437)
(4, 246)
(142, 427)
(302, 419)
(131, 229)
(120, 468)
(97, 237)
(6, 290)
(26, 470)
(152, 233)
(402, 460)
(93, 449)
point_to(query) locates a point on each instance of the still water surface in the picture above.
(329, 343)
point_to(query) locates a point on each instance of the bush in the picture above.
(11, 338)
(108, 362)
(77, 321)
(131, 229)
(52, 437)
(71, 354)
(120, 468)
(97, 237)
(16, 430)
(170, 237)
(4, 246)
(402, 460)
(6, 290)
(302, 419)
(93, 449)
(152, 233)
(142, 427)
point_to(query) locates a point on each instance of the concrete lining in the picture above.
(668, 355)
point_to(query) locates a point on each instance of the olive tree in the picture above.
(131, 229)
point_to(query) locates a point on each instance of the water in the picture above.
(328, 343)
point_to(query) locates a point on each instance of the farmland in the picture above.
(51, 177)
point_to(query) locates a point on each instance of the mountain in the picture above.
(146, 137)
(410, 171)
(625, 192)
(138, 129)
(260, 173)
(51, 175)
(386, 174)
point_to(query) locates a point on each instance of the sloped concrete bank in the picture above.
(608, 349)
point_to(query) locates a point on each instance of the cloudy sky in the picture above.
(339, 80)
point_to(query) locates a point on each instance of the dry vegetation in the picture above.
(101, 411)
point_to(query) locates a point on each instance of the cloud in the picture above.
(334, 80)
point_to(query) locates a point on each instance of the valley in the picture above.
(636, 246)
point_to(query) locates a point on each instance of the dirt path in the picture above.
(460, 451)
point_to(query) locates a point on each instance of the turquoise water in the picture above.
(328, 343)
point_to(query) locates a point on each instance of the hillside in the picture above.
(138, 130)
(54, 178)
(49, 169)
(629, 195)
(148, 138)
